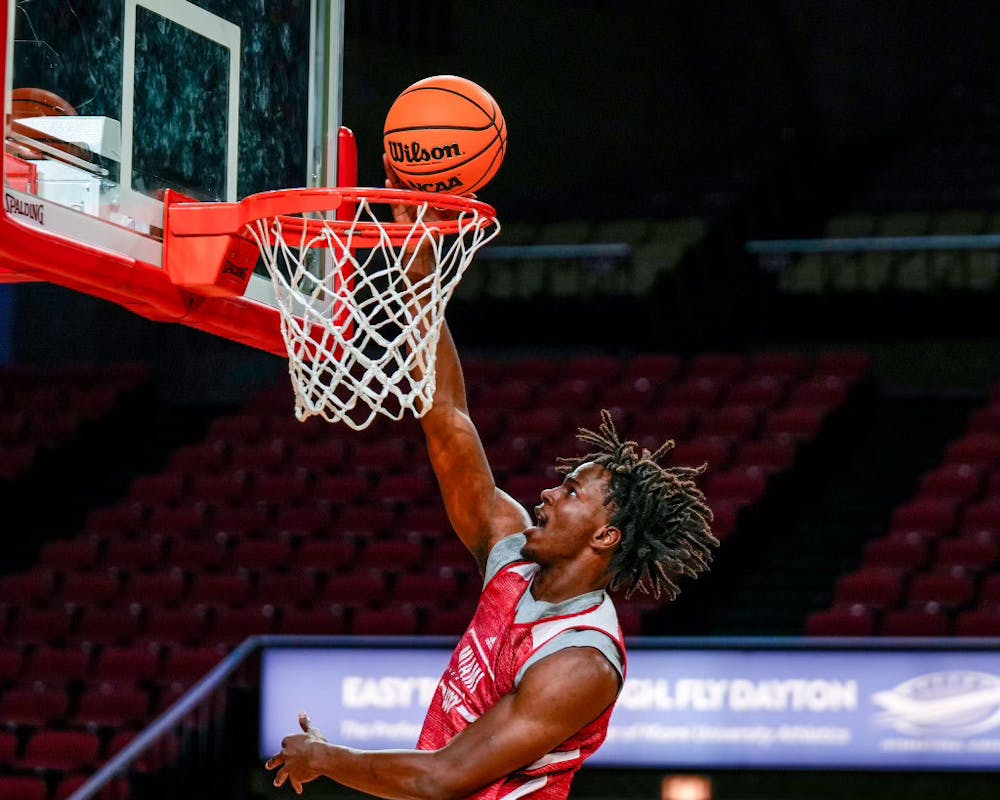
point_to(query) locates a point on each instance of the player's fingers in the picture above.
(282, 777)
(304, 721)
(297, 786)
(274, 761)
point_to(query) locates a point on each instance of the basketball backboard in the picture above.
(211, 99)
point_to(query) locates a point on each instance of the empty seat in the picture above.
(162, 489)
(960, 482)
(384, 455)
(853, 621)
(578, 392)
(155, 588)
(90, 588)
(972, 552)
(287, 589)
(126, 665)
(233, 625)
(744, 486)
(978, 622)
(187, 665)
(948, 591)
(221, 488)
(441, 589)
(240, 522)
(326, 554)
(11, 664)
(760, 392)
(38, 705)
(448, 621)
(21, 787)
(978, 449)
(907, 552)
(403, 489)
(696, 392)
(799, 423)
(198, 554)
(768, 454)
(116, 789)
(165, 625)
(982, 517)
(226, 589)
(58, 665)
(134, 554)
(111, 705)
(261, 554)
(25, 588)
(874, 587)
(72, 554)
(364, 521)
(39, 625)
(280, 488)
(8, 749)
(116, 521)
(930, 513)
(714, 451)
(359, 588)
(343, 488)
(384, 622)
(175, 522)
(322, 620)
(914, 622)
(732, 420)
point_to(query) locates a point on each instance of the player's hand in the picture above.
(293, 762)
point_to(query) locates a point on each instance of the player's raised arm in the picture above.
(480, 513)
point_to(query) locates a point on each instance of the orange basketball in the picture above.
(445, 134)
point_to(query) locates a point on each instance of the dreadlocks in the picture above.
(662, 514)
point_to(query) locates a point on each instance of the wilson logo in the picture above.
(416, 153)
(32, 211)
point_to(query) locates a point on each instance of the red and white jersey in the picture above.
(486, 666)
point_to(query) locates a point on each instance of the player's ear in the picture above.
(607, 537)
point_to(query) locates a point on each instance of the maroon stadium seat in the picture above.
(85, 588)
(37, 705)
(111, 705)
(978, 622)
(320, 620)
(786, 364)
(326, 555)
(23, 787)
(739, 421)
(875, 587)
(660, 368)
(759, 392)
(973, 552)
(39, 625)
(356, 588)
(797, 423)
(852, 621)
(825, 391)
(126, 665)
(907, 552)
(694, 392)
(58, 665)
(261, 554)
(172, 625)
(961, 482)
(948, 591)
(977, 449)
(914, 622)
(395, 621)
(71, 554)
(155, 588)
(724, 366)
(25, 588)
(930, 513)
(231, 588)
(233, 625)
(8, 749)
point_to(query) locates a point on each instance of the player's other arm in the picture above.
(480, 513)
(545, 711)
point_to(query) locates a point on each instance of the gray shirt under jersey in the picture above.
(508, 550)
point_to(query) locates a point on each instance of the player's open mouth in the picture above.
(539, 516)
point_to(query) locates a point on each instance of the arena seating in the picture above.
(936, 569)
(268, 525)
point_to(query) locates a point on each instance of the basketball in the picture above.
(445, 134)
(26, 102)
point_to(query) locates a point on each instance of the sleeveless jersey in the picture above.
(484, 668)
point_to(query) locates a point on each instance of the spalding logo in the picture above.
(954, 703)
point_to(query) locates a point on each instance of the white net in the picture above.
(360, 324)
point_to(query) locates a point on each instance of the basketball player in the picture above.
(532, 683)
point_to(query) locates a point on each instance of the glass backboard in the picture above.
(214, 99)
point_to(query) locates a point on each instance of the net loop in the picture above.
(361, 325)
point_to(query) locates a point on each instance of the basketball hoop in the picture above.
(360, 325)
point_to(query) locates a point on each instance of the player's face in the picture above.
(568, 515)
